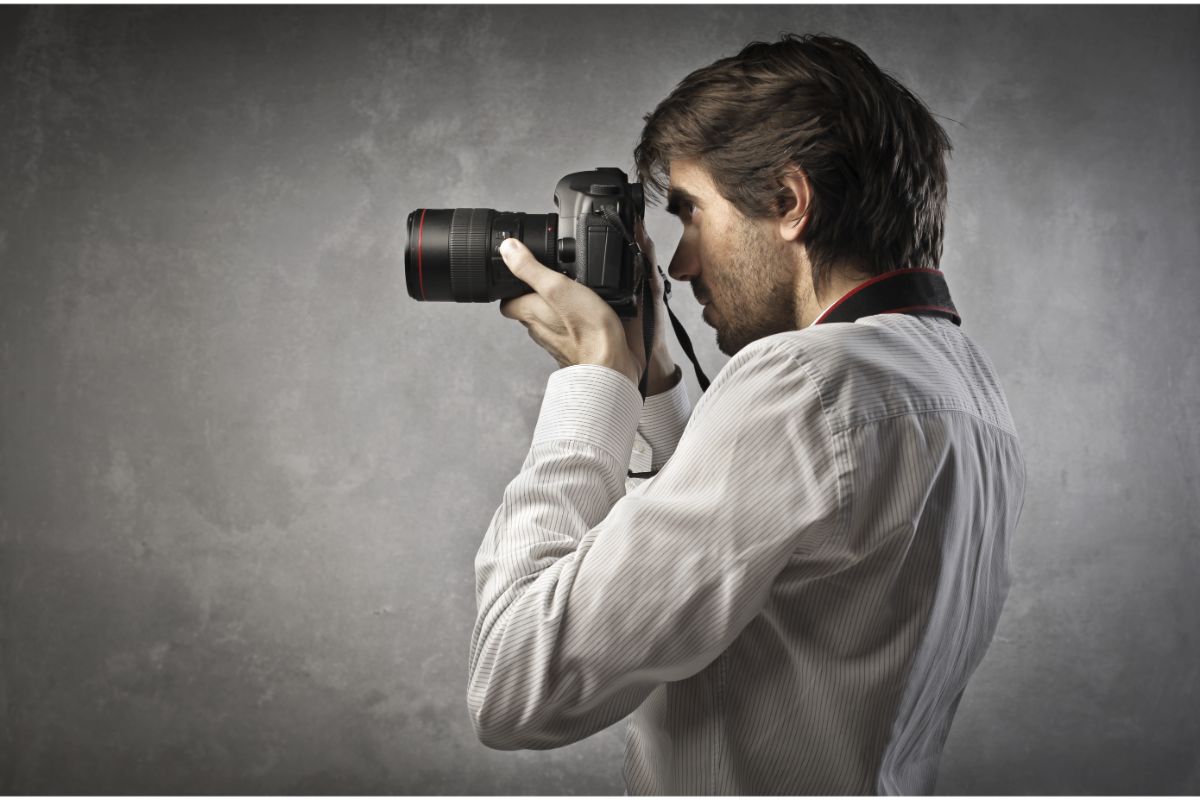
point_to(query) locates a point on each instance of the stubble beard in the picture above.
(758, 292)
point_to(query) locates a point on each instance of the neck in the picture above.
(831, 290)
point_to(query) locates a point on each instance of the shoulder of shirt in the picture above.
(825, 349)
(771, 359)
(844, 358)
(891, 365)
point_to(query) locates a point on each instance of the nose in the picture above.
(684, 266)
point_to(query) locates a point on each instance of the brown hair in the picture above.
(872, 151)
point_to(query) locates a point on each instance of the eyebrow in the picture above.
(678, 195)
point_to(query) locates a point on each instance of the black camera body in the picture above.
(454, 254)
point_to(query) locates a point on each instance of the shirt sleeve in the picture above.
(663, 418)
(590, 597)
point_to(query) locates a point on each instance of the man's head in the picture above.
(809, 169)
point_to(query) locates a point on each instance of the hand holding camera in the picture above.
(575, 285)
(567, 319)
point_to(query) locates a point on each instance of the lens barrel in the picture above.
(453, 254)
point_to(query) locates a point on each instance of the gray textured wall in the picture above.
(243, 477)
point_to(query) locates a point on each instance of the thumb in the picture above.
(521, 263)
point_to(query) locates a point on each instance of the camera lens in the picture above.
(453, 254)
(447, 254)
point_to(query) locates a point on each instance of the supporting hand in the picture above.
(662, 365)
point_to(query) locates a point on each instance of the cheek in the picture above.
(707, 251)
(718, 260)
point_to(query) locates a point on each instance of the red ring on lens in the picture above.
(420, 274)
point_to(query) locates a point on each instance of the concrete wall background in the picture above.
(243, 477)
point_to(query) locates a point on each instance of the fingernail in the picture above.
(507, 247)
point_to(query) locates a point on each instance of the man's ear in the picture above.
(795, 203)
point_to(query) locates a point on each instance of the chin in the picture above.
(725, 346)
(732, 342)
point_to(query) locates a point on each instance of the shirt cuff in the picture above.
(664, 416)
(591, 404)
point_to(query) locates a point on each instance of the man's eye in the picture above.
(682, 209)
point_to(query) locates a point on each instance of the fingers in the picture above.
(525, 308)
(536, 333)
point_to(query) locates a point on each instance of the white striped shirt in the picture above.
(794, 603)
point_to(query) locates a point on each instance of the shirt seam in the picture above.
(932, 410)
(842, 523)
(722, 672)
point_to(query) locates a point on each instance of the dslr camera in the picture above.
(453, 254)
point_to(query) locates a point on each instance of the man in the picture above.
(793, 604)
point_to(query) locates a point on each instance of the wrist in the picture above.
(626, 366)
(663, 378)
